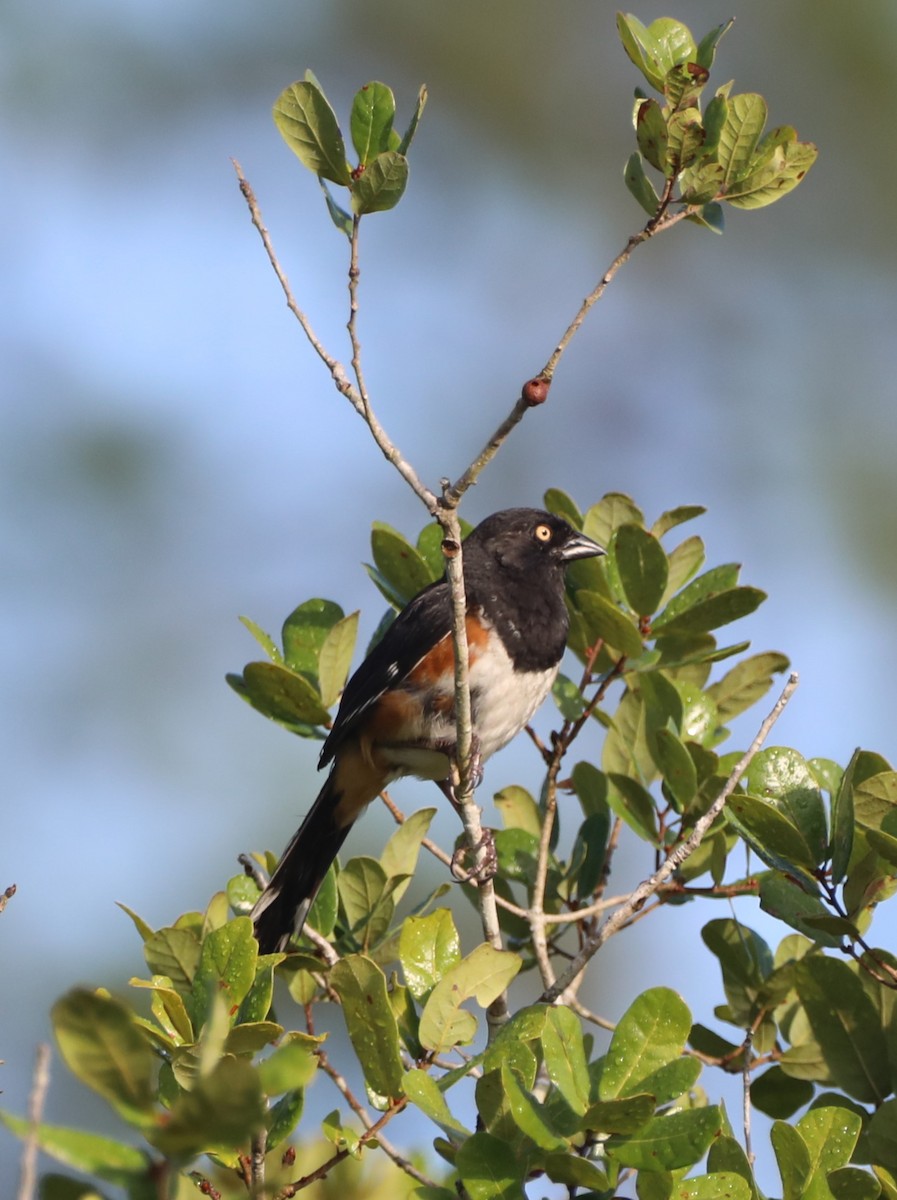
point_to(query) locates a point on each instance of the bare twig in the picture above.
(649, 887)
(40, 1083)
(337, 371)
(6, 896)
(258, 1150)
(364, 1116)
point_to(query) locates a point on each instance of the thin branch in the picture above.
(40, 1083)
(7, 895)
(258, 1150)
(337, 371)
(361, 1112)
(649, 887)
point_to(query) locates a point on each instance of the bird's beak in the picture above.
(580, 546)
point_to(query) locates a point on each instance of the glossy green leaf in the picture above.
(830, 1134)
(605, 620)
(226, 967)
(641, 48)
(283, 1117)
(711, 613)
(727, 1156)
(423, 1091)
(361, 986)
(846, 1026)
(651, 1034)
(852, 1183)
(63, 1187)
(382, 184)
(775, 178)
(401, 852)
(718, 1185)
(874, 797)
(219, 1114)
(101, 1044)
(706, 50)
(676, 516)
(107, 1159)
(575, 1171)
(686, 138)
(789, 903)
(793, 1159)
(282, 695)
(338, 215)
(528, 1115)
(745, 961)
(880, 1136)
(309, 127)
(398, 561)
(669, 1142)
(304, 632)
(590, 786)
(335, 658)
(590, 857)
(484, 974)
(490, 1169)
(783, 776)
(682, 562)
(633, 804)
(365, 896)
(264, 639)
(639, 185)
(174, 953)
(677, 768)
(745, 119)
(370, 121)
(517, 852)
(429, 946)
(642, 564)
(612, 510)
(251, 1037)
(773, 836)
(746, 683)
(565, 1057)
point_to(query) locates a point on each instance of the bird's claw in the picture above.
(483, 870)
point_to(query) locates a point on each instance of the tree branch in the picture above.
(40, 1083)
(649, 886)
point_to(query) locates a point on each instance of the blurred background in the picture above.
(172, 454)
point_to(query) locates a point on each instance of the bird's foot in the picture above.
(483, 870)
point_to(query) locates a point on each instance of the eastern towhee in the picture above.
(397, 713)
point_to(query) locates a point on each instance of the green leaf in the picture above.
(219, 1114)
(683, 561)
(490, 1169)
(727, 1156)
(605, 620)
(366, 898)
(588, 864)
(874, 797)
(713, 1186)
(291, 1066)
(783, 776)
(651, 1034)
(746, 683)
(558, 502)
(843, 821)
(773, 836)
(775, 178)
(400, 854)
(575, 1171)
(745, 961)
(651, 133)
(686, 137)
(109, 1160)
(382, 184)
(338, 215)
(851, 1183)
(309, 127)
(676, 516)
(413, 123)
(590, 786)
(670, 1142)
(565, 1057)
(830, 1134)
(63, 1187)
(793, 1159)
(880, 1137)
(361, 986)
(789, 903)
(282, 695)
(423, 1091)
(484, 974)
(101, 1044)
(677, 767)
(226, 968)
(633, 804)
(779, 1095)
(711, 613)
(428, 947)
(173, 953)
(399, 562)
(304, 633)
(611, 511)
(370, 121)
(642, 564)
(264, 639)
(528, 1115)
(639, 185)
(336, 657)
(519, 810)
(284, 1116)
(846, 1026)
(641, 48)
(745, 118)
(623, 1116)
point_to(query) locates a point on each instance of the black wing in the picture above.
(423, 622)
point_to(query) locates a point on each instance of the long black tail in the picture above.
(280, 911)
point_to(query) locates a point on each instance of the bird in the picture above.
(396, 716)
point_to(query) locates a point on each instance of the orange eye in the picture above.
(543, 533)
